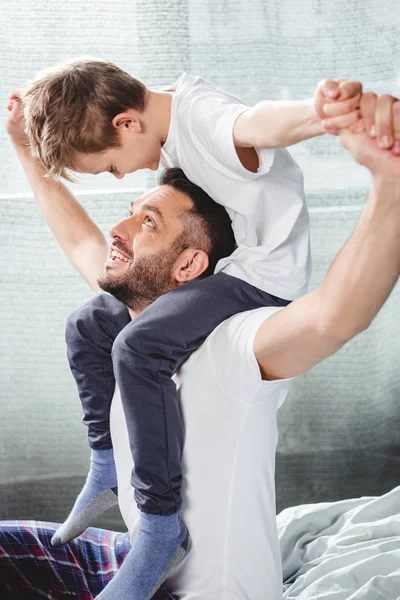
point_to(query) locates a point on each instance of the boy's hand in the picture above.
(15, 124)
(337, 103)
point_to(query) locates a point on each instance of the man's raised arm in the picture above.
(82, 241)
(359, 281)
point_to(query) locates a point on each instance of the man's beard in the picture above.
(145, 279)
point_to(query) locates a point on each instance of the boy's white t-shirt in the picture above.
(228, 464)
(268, 211)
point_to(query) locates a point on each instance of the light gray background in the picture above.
(339, 429)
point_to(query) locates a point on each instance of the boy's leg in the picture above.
(30, 568)
(90, 334)
(145, 355)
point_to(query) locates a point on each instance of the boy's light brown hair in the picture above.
(69, 109)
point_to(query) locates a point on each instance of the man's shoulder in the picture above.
(226, 364)
(235, 336)
(229, 353)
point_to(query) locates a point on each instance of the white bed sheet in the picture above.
(346, 550)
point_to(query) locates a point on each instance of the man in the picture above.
(241, 375)
(232, 152)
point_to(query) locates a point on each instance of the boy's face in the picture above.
(140, 149)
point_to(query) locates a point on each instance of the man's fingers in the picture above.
(341, 107)
(15, 108)
(15, 95)
(11, 104)
(396, 126)
(367, 110)
(383, 121)
(358, 127)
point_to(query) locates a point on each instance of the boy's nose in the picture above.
(118, 175)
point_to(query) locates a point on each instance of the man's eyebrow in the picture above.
(151, 208)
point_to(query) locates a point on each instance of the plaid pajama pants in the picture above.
(31, 569)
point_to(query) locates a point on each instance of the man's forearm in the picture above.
(356, 286)
(79, 237)
(277, 124)
(368, 266)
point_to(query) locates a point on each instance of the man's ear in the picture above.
(191, 264)
(128, 121)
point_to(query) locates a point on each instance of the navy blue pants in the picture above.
(142, 354)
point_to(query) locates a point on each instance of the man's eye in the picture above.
(149, 222)
(146, 221)
(111, 169)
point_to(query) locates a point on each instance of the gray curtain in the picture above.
(339, 428)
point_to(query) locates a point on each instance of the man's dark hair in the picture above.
(207, 225)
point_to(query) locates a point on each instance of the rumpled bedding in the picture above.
(346, 550)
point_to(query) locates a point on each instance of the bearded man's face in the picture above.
(144, 279)
(145, 248)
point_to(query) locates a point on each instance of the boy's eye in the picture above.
(111, 169)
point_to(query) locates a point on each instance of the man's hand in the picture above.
(380, 118)
(15, 124)
(338, 99)
(372, 140)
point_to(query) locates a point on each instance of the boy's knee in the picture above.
(134, 342)
(98, 321)
(125, 344)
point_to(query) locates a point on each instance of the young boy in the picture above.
(90, 116)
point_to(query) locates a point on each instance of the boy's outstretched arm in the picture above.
(82, 241)
(277, 124)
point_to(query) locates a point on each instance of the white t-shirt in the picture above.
(229, 416)
(268, 211)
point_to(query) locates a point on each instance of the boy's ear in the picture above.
(128, 121)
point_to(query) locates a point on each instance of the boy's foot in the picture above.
(98, 494)
(159, 544)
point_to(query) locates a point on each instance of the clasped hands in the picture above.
(368, 124)
(340, 104)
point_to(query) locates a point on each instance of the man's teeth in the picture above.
(115, 254)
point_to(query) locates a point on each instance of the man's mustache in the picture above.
(119, 246)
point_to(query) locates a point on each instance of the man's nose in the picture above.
(125, 229)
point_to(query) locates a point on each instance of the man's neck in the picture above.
(133, 313)
(158, 112)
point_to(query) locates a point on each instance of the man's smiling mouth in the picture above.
(118, 257)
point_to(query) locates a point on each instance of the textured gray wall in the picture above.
(340, 425)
